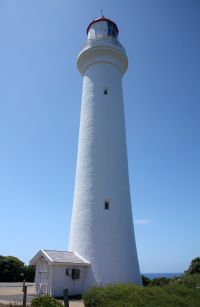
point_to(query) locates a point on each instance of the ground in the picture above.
(12, 292)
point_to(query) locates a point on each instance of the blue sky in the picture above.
(40, 95)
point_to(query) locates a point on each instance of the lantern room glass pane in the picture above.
(112, 31)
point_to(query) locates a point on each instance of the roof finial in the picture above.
(102, 13)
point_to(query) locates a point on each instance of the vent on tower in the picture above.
(105, 91)
(106, 204)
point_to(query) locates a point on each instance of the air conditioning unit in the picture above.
(68, 272)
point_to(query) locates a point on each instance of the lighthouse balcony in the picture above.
(105, 40)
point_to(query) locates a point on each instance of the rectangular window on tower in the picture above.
(106, 205)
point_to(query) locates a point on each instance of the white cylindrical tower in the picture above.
(102, 225)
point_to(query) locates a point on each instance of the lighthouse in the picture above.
(102, 248)
(102, 229)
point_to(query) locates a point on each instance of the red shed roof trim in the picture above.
(101, 19)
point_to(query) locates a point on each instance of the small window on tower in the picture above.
(105, 91)
(106, 204)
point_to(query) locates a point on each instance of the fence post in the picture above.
(25, 293)
(66, 298)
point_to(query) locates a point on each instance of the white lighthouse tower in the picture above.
(102, 225)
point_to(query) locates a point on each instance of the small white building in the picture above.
(56, 270)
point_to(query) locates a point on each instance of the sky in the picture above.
(40, 99)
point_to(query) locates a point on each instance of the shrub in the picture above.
(145, 280)
(190, 281)
(160, 281)
(12, 269)
(175, 295)
(29, 273)
(45, 301)
(194, 267)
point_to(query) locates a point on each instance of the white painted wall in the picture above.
(103, 237)
(61, 281)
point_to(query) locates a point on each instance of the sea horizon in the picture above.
(167, 275)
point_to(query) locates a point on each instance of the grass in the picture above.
(182, 292)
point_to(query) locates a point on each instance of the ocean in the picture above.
(157, 275)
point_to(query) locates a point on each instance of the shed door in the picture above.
(43, 278)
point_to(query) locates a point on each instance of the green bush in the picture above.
(45, 301)
(29, 273)
(176, 295)
(12, 269)
(194, 267)
(145, 280)
(160, 281)
(190, 281)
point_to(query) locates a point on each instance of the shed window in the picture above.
(75, 274)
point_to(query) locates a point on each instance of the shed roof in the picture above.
(59, 257)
